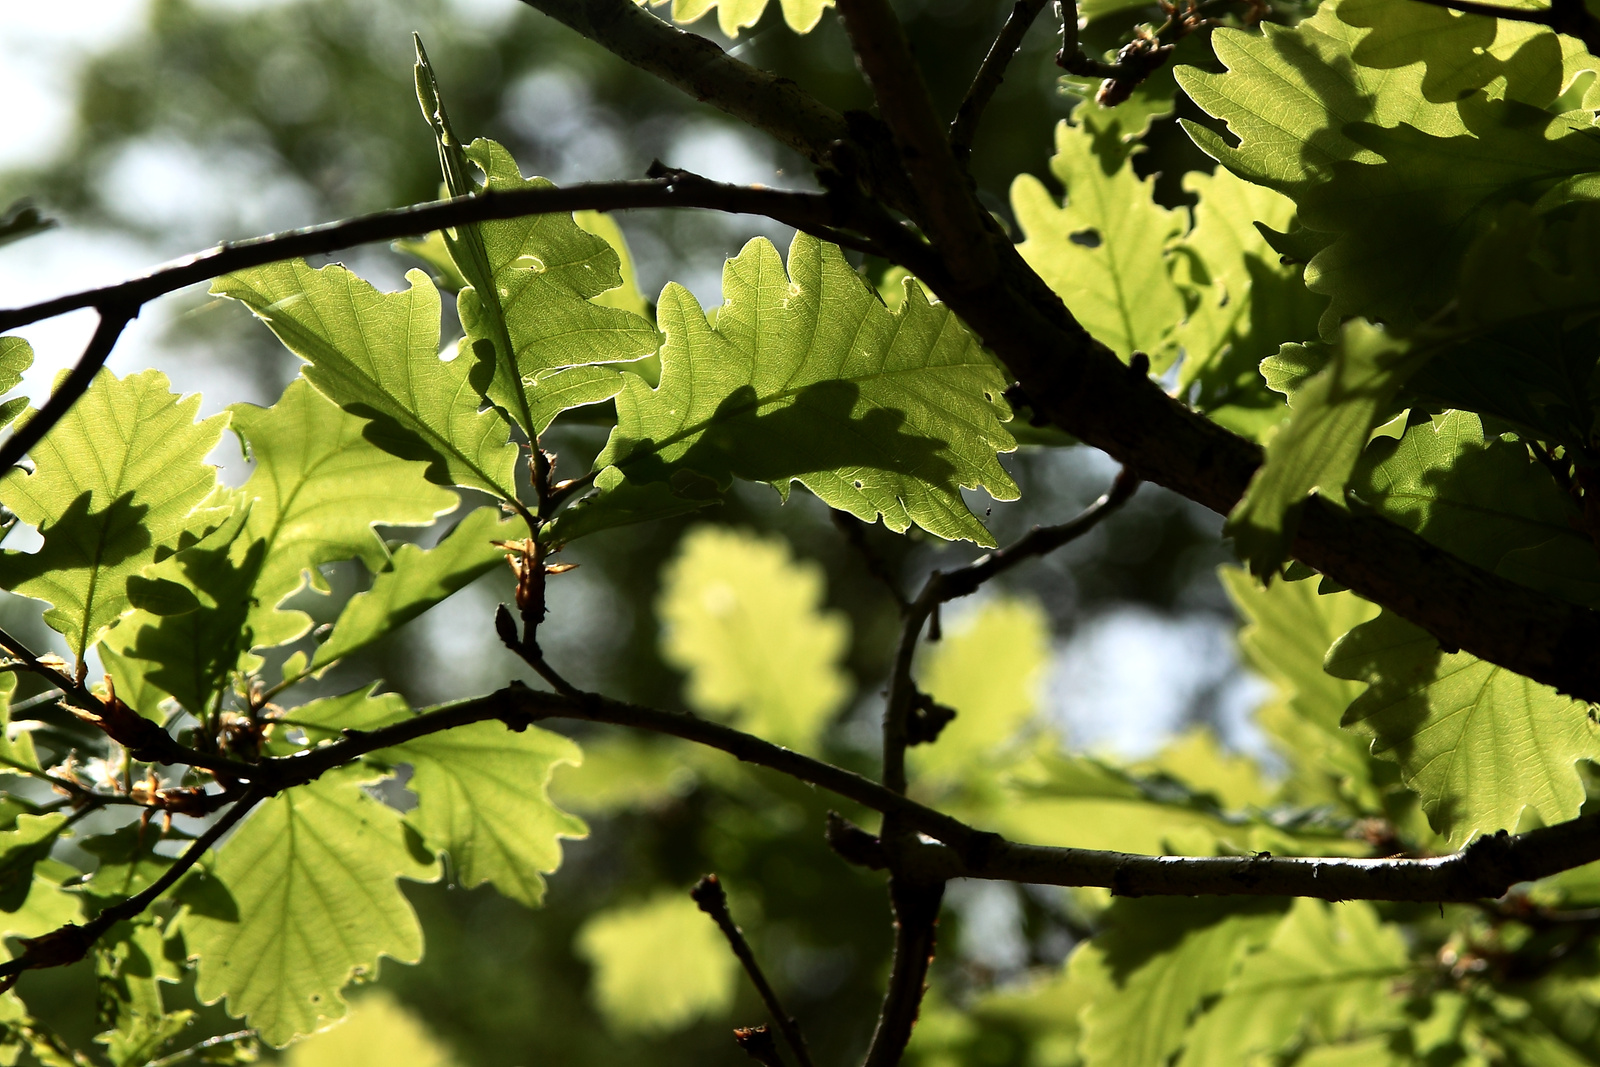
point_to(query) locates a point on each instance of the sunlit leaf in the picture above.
(807, 377)
(1329, 971)
(1155, 966)
(378, 1032)
(416, 579)
(377, 356)
(1316, 451)
(482, 800)
(1478, 743)
(735, 15)
(1104, 251)
(312, 877)
(104, 520)
(989, 670)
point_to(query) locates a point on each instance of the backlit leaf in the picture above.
(1104, 251)
(1329, 971)
(1331, 415)
(378, 1032)
(482, 799)
(377, 356)
(746, 622)
(312, 874)
(1478, 743)
(119, 478)
(416, 579)
(989, 669)
(807, 377)
(735, 15)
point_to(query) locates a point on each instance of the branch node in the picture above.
(853, 844)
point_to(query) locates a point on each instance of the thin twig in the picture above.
(942, 587)
(713, 901)
(991, 74)
(46, 697)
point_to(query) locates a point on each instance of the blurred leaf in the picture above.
(326, 718)
(1332, 415)
(746, 623)
(416, 579)
(378, 1032)
(622, 773)
(20, 849)
(1104, 251)
(16, 741)
(377, 356)
(989, 668)
(810, 378)
(735, 15)
(482, 799)
(1195, 758)
(1329, 971)
(658, 965)
(1478, 743)
(103, 522)
(312, 872)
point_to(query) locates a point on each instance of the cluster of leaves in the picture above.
(1389, 281)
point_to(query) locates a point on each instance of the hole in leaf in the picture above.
(1089, 238)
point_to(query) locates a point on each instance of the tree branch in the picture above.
(714, 902)
(940, 588)
(991, 74)
(961, 230)
(916, 920)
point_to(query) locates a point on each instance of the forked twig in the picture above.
(708, 893)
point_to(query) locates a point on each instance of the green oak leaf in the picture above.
(658, 964)
(106, 518)
(318, 491)
(1328, 972)
(1104, 251)
(416, 579)
(1288, 630)
(1478, 497)
(746, 623)
(1332, 414)
(16, 742)
(21, 848)
(1479, 744)
(627, 296)
(379, 1032)
(527, 304)
(482, 800)
(16, 356)
(802, 16)
(1248, 302)
(807, 377)
(377, 356)
(312, 875)
(1157, 963)
(326, 718)
(988, 668)
(1395, 165)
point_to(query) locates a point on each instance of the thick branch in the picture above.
(916, 920)
(1486, 868)
(959, 226)
(991, 74)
